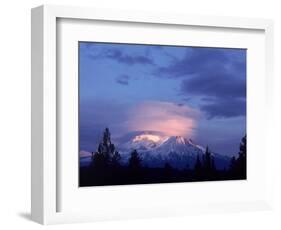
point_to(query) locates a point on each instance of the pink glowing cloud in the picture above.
(165, 117)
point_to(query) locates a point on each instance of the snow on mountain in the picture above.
(178, 151)
(144, 142)
(179, 145)
(156, 150)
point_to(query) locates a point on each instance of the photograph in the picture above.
(154, 113)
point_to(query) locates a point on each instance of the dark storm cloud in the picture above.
(123, 79)
(127, 59)
(225, 108)
(216, 76)
(122, 57)
(214, 85)
(206, 60)
(224, 96)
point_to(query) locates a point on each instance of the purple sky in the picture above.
(198, 93)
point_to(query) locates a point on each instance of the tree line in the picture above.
(106, 168)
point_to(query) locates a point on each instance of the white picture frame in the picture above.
(46, 185)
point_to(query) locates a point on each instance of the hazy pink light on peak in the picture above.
(165, 117)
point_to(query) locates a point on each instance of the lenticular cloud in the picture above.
(165, 117)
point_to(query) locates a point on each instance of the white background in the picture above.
(15, 113)
(186, 196)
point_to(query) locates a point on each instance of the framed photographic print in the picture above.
(137, 123)
(139, 114)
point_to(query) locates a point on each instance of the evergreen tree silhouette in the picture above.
(106, 155)
(243, 147)
(207, 163)
(116, 159)
(99, 161)
(242, 158)
(106, 137)
(238, 165)
(208, 166)
(134, 161)
(232, 165)
(213, 164)
(198, 167)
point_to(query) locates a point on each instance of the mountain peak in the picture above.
(181, 140)
(178, 140)
(156, 149)
(144, 142)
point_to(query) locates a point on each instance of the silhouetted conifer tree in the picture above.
(242, 158)
(106, 137)
(99, 161)
(134, 161)
(207, 162)
(198, 167)
(116, 159)
(208, 166)
(106, 151)
(238, 165)
(243, 147)
(213, 164)
(232, 164)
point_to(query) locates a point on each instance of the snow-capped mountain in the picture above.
(156, 149)
(179, 145)
(178, 151)
(144, 142)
